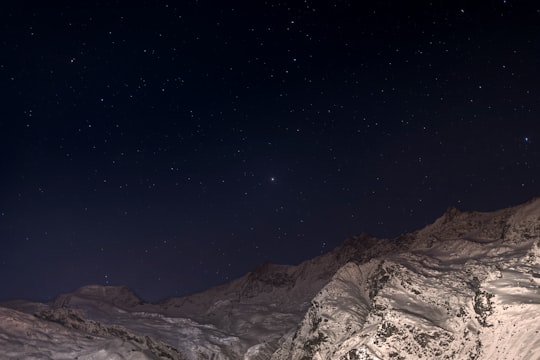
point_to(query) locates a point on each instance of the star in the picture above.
(200, 123)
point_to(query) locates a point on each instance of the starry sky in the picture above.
(172, 146)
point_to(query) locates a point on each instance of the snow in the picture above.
(465, 287)
(23, 336)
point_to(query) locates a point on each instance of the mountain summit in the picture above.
(465, 287)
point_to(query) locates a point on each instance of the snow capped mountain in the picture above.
(465, 287)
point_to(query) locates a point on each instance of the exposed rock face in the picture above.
(465, 287)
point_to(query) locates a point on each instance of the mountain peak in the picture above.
(119, 296)
(465, 286)
(451, 212)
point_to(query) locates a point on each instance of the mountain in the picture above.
(465, 287)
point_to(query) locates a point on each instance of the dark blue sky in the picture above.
(175, 146)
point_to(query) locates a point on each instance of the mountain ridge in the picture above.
(443, 291)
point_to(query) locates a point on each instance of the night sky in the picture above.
(173, 146)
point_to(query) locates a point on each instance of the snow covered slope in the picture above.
(465, 287)
(66, 335)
